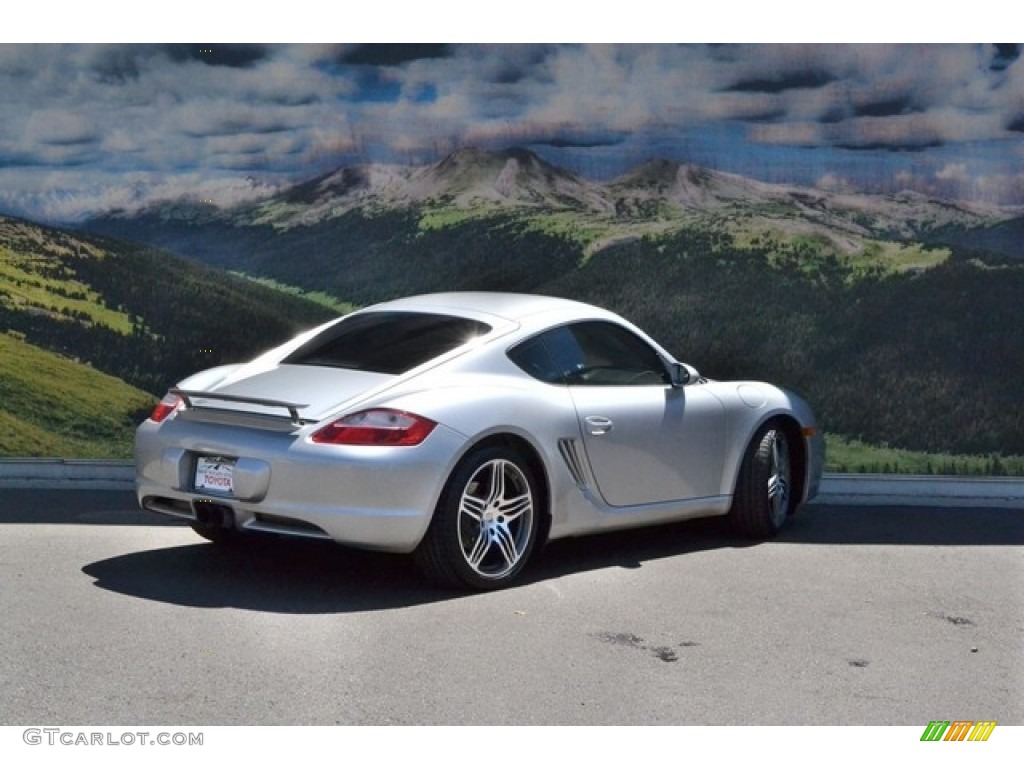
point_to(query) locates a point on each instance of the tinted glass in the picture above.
(592, 353)
(387, 342)
(534, 358)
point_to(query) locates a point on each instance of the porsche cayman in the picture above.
(469, 429)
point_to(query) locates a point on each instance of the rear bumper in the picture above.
(369, 497)
(388, 530)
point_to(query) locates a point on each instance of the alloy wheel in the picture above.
(495, 518)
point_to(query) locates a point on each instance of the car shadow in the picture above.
(310, 577)
(907, 526)
(263, 573)
(305, 576)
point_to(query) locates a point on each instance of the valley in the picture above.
(897, 316)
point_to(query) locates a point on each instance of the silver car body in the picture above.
(609, 456)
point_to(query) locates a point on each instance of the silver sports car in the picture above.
(468, 429)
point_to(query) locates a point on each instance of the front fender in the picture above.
(750, 412)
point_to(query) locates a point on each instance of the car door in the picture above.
(646, 440)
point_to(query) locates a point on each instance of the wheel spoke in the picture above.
(513, 508)
(778, 480)
(479, 551)
(472, 507)
(506, 542)
(497, 482)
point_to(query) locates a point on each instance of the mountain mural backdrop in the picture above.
(845, 220)
(898, 315)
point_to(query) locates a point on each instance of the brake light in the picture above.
(377, 426)
(165, 407)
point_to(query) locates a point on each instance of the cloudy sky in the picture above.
(84, 128)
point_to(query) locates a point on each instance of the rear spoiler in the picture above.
(188, 395)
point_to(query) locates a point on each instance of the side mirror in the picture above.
(683, 374)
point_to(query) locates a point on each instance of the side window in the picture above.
(612, 355)
(590, 353)
(535, 359)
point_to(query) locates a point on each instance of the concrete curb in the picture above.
(848, 489)
(67, 474)
(922, 491)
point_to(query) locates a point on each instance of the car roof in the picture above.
(513, 307)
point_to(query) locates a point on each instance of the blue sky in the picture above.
(88, 127)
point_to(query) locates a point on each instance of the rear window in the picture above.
(387, 342)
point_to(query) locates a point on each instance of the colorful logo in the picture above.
(958, 730)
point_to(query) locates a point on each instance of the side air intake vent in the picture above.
(570, 451)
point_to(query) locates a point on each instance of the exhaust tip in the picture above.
(213, 514)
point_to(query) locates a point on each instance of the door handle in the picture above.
(598, 425)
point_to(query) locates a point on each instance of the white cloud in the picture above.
(101, 111)
(71, 195)
(953, 172)
(831, 182)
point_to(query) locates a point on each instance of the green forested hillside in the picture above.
(894, 342)
(140, 316)
(367, 258)
(53, 406)
(927, 360)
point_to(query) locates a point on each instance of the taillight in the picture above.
(165, 407)
(377, 426)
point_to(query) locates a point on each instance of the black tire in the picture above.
(763, 496)
(485, 525)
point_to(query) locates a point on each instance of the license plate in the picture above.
(214, 474)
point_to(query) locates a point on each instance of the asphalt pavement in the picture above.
(865, 615)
